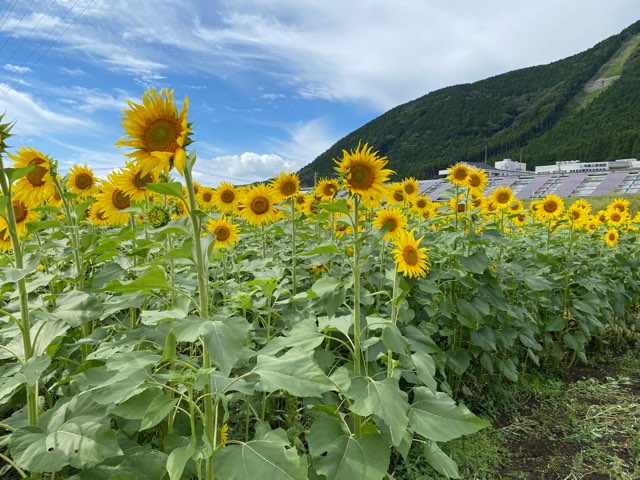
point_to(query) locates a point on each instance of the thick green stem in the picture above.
(293, 248)
(394, 320)
(25, 322)
(357, 355)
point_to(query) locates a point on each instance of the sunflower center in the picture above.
(4, 234)
(421, 204)
(361, 177)
(391, 224)
(141, 182)
(83, 181)
(398, 196)
(222, 234)
(503, 198)
(20, 211)
(36, 176)
(409, 189)
(120, 200)
(300, 199)
(460, 173)
(207, 197)
(160, 135)
(227, 196)
(550, 206)
(100, 215)
(575, 214)
(260, 205)
(461, 207)
(329, 191)
(615, 216)
(410, 255)
(474, 181)
(288, 188)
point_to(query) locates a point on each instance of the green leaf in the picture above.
(33, 369)
(178, 459)
(270, 457)
(303, 335)
(383, 399)
(393, 339)
(329, 249)
(476, 262)
(151, 406)
(537, 284)
(425, 369)
(77, 308)
(508, 369)
(436, 416)
(173, 189)
(338, 455)
(296, 372)
(440, 461)
(14, 174)
(153, 279)
(325, 286)
(485, 338)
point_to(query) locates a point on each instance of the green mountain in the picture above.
(584, 107)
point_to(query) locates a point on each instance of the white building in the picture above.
(572, 166)
(511, 165)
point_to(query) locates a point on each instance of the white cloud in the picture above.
(246, 167)
(16, 68)
(306, 141)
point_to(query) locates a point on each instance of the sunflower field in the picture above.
(154, 328)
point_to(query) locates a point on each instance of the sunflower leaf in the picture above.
(173, 189)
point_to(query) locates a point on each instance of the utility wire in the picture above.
(3, 18)
(35, 25)
(16, 27)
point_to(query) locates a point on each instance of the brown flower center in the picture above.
(227, 196)
(288, 188)
(503, 198)
(361, 177)
(141, 182)
(207, 197)
(391, 224)
(460, 173)
(421, 203)
(161, 135)
(36, 176)
(409, 189)
(475, 181)
(410, 255)
(222, 233)
(120, 200)
(550, 206)
(83, 181)
(20, 211)
(398, 196)
(260, 205)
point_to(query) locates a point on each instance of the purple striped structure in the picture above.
(610, 183)
(533, 186)
(570, 184)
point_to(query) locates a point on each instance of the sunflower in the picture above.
(458, 204)
(477, 200)
(420, 203)
(615, 217)
(476, 179)
(516, 206)
(583, 204)
(286, 185)
(55, 200)
(520, 220)
(157, 132)
(132, 182)
(258, 205)
(392, 219)
(327, 188)
(395, 194)
(23, 214)
(620, 204)
(577, 215)
(226, 233)
(551, 207)
(158, 216)
(225, 197)
(320, 268)
(180, 208)
(112, 200)
(458, 174)
(311, 202)
(300, 201)
(206, 198)
(37, 186)
(501, 197)
(611, 237)
(409, 257)
(82, 181)
(410, 187)
(363, 173)
(96, 217)
(5, 238)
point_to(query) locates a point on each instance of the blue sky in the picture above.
(271, 83)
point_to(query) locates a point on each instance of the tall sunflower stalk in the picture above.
(24, 323)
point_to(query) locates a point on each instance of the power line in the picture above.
(16, 27)
(35, 25)
(3, 18)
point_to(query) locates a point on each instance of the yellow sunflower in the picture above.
(310, 206)
(577, 215)
(226, 233)
(394, 194)
(112, 200)
(55, 200)
(458, 174)
(286, 185)
(300, 201)
(476, 179)
(521, 219)
(327, 188)
(392, 219)
(96, 217)
(420, 203)
(550, 207)
(37, 186)
(226, 197)
(516, 206)
(82, 181)
(320, 268)
(583, 204)
(180, 208)
(620, 204)
(477, 200)
(23, 213)
(501, 197)
(363, 173)
(615, 217)
(157, 132)
(133, 182)
(611, 237)
(206, 198)
(258, 205)
(458, 204)
(410, 258)
(5, 238)
(410, 187)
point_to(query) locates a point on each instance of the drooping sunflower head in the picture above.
(206, 198)
(225, 231)
(551, 207)
(477, 200)
(132, 181)
(156, 132)
(158, 216)
(620, 204)
(226, 197)
(476, 179)
(327, 188)
(391, 219)
(502, 197)
(37, 186)
(363, 173)
(258, 205)
(410, 187)
(286, 185)
(319, 268)
(458, 174)
(82, 181)
(23, 213)
(410, 258)
(611, 237)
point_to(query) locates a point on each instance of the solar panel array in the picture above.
(610, 183)
(533, 186)
(570, 184)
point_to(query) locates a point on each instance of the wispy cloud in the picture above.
(15, 68)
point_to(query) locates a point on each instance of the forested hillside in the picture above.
(582, 107)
